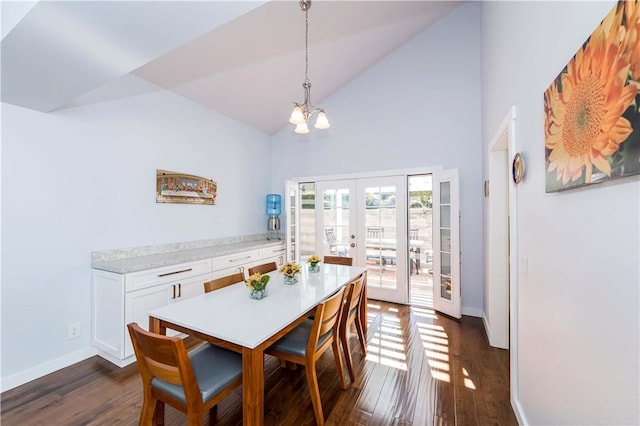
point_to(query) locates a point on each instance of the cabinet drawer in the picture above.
(166, 274)
(274, 251)
(238, 259)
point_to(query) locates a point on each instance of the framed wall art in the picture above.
(592, 123)
(174, 187)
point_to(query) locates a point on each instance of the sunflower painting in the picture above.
(591, 117)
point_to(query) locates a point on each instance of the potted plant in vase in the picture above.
(257, 283)
(313, 262)
(290, 271)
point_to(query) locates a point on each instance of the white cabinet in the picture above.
(277, 253)
(119, 299)
(237, 262)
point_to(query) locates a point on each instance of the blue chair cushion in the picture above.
(295, 342)
(214, 368)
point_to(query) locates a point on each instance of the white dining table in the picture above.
(228, 317)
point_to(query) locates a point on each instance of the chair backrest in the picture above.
(264, 268)
(413, 234)
(375, 232)
(327, 319)
(221, 282)
(338, 260)
(166, 358)
(352, 298)
(331, 237)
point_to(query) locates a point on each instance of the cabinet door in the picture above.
(137, 307)
(189, 287)
(229, 271)
(275, 254)
(235, 260)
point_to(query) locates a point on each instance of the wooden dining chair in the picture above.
(264, 268)
(218, 283)
(192, 382)
(307, 342)
(338, 260)
(351, 315)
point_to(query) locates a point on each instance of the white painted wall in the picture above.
(83, 179)
(578, 307)
(418, 107)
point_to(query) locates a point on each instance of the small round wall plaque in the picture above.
(518, 168)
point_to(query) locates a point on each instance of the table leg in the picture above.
(253, 386)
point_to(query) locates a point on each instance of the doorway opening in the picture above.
(420, 239)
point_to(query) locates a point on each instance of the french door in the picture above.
(366, 219)
(446, 244)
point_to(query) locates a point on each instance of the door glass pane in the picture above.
(380, 224)
(445, 287)
(307, 191)
(337, 229)
(445, 268)
(445, 240)
(445, 216)
(445, 193)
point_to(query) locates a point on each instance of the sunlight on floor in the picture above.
(387, 346)
(434, 339)
(468, 383)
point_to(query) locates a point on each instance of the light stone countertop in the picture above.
(123, 261)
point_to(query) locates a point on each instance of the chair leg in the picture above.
(344, 339)
(194, 418)
(148, 411)
(361, 336)
(314, 391)
(338, 356)
(213, 415)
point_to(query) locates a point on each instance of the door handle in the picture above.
(353, 237)
(353, 244)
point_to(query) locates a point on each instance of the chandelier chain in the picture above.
(306, 45)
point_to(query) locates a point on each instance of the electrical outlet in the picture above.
(73, 330)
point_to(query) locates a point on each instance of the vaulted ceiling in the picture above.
(242, 59)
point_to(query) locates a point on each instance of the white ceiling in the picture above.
(242, 59)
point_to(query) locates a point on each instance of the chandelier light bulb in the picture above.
(296, 115)
(302, 128)
(322, 122)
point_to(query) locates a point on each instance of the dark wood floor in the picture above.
(422, 369)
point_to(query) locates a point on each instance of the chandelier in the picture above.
(302, 112)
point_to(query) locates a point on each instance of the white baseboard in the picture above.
(517, 411)
(487, 329)
(45, 368)
(472, 312)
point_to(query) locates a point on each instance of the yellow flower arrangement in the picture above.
(257, 281)
(313, 263)
(290, 269)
